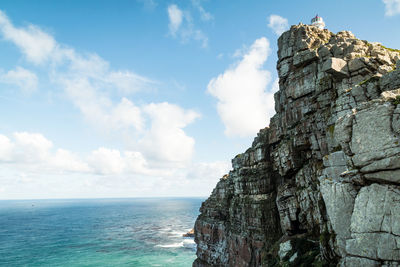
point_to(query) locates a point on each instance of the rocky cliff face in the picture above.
(320, 185)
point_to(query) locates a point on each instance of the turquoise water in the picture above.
(106, 232)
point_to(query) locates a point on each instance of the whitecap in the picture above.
(173, 245)
(189, 243)
(176, 233)
(172, 232)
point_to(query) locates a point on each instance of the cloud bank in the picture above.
(32, 163)
(89, 82)
(157, 148)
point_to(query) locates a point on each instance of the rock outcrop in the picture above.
(321, 185)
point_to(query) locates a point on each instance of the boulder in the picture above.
(336, 67)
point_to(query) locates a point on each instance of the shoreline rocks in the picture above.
(189, 234)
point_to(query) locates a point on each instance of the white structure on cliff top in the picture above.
(318, 22)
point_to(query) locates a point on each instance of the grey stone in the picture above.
(373, 90)
(343, 131)
(390, 80)
(303, 85)
(389, 163)
(355, 262)
(377, 209)
(334, 159)
(372, 136)
(396, 120)
(358, 93)
(335, 66)
(356, 64)
(385, 176)
(284, 67)
(324, 52)
(339, 201)
(304, 57)
(335, 164)
(380, 246)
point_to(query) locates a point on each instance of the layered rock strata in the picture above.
(321, 184)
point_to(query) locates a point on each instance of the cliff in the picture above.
(321, 185)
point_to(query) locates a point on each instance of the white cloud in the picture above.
(204, 15)
(181, 26)
(275, 86)
(278, 24)
(86, 79)
(64, 160)
(244, 104)
(35, 152)
(158, 149)
(24, 79)
(6, 148)
(201, 37)
(31, 147)
(98, 108)
(165, 140)
(90, 83)
(40, 47)
(36, 44)
(135, 162)
(51, 172)
(149, 4)
(128, 82)
(208, 171)
(175, 16)
(170, 143)
(107, 161)
(392, 7)
(125, 114)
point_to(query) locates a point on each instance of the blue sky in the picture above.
(146, 98)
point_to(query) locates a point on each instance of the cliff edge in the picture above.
(321, 185)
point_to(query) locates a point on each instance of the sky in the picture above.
(146, 98)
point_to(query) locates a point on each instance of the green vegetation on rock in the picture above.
(396, 101)
(369, 80)
(390, 49)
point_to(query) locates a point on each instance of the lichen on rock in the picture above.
(321, 185)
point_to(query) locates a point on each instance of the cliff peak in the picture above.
(321, 184)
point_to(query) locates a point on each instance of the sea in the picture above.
(98, 232)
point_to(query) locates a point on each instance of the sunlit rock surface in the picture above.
(321, 184)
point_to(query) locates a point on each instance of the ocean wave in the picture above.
(189, 243)
(172, 232)
(186, 243)
(173, 245)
